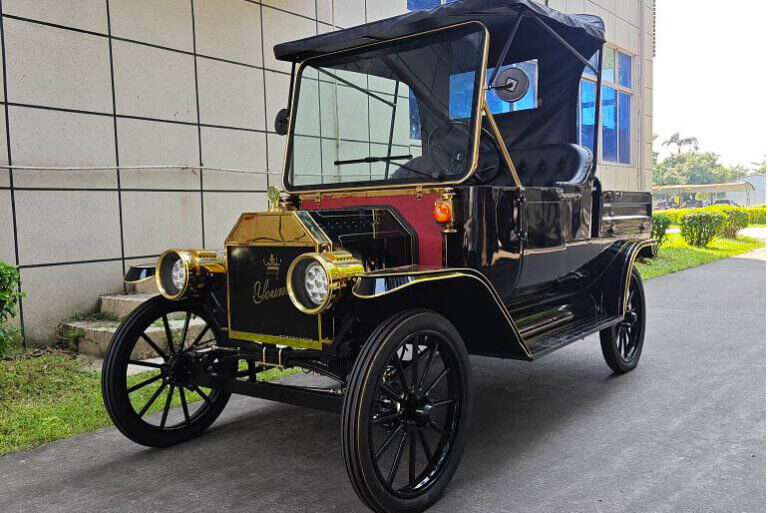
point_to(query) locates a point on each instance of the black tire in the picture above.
(622, 344)
(420, 403)
(123, 348)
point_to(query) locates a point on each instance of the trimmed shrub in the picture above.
(699, 228)
(9, 298)
(756, 214)
(659, 227)
(736, 218)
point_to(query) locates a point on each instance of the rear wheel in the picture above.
(145, 378)
(406, 412)
(622, 343)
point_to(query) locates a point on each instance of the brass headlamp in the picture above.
(183, 272)
(315, 280)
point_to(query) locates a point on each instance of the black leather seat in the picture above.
(552, 164)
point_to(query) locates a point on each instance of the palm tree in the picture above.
(681, 142)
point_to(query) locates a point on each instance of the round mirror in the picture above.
(511, 84)
(281, 122)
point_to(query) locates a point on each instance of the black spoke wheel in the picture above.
(623, 343)
(145, 379)
(406, 412)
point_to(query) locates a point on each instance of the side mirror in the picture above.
(281, 122)
(511, 85)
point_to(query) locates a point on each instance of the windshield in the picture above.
(387, 114)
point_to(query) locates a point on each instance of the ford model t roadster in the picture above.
(436, 205)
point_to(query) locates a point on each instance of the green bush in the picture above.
(756, 214)
(699, 228)
(659, 227)
(736, 218)
(9, 298)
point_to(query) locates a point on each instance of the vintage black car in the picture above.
(416, 227)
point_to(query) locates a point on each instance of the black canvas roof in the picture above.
(579, 30)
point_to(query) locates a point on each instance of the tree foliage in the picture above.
(692, 167)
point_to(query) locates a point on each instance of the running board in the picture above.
(548, 342)
(317, 398)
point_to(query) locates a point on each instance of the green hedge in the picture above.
(9, 298)
(736, 218)
(699, 228)
(756, 215)
(659, 227)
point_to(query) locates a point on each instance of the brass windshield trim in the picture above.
(500, 142)
(477, 117)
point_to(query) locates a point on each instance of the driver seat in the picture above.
(550, 165)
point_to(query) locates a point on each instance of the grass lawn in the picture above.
(675, 255)
(46, 398)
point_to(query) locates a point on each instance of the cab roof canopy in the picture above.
(552, 38)
(582, 31)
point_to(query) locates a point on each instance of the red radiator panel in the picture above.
(417, 212)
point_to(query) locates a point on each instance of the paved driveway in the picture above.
(683, 432)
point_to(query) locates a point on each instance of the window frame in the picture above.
(619, 89)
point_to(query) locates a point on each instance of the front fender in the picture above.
(464, 296)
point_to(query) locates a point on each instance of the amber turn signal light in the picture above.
(443, 211)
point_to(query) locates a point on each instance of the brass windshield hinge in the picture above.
(317, 198)
(419, 192)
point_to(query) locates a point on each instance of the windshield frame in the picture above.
(479, 101)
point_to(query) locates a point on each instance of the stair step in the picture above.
(548, 342)
(93, 337)
(120, 305)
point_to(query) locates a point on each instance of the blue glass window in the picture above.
(609, 124)
(625, 70)
(413, 107)
(587, 132)
(587, 70)
(609, 65)
(414, 5)
(625, 144)
(462, 86)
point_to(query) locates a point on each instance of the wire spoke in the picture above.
(387, 443)
(438, 380)
(412, 460)
(396, 462)
(445, 402)
(385, 418)
(432, 353)
(168, 335)
(201, 335)
(184, 407)
(151, 400)
(146, 364)
(425, 445)
(154, 346)
(184, 331)
(202, 394)
(391, 393)
(167, 407)
(431, 423)
(144, 383)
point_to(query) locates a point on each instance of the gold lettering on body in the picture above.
(262, 292)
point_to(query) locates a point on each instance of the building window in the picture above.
(616, 99)
(463, 84)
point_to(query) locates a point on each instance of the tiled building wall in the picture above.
(152, 86)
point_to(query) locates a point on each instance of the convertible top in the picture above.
(578, 30)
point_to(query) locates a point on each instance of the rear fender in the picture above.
(463, 296)
(612, 286)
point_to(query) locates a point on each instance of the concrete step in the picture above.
(120, 305)
(93, 337)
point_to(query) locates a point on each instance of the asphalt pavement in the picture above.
(684, 432)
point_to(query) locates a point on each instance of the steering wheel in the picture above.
(447, 148)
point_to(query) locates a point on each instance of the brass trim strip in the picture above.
(304, 343)
(500, 142)
(632, 258)
(477, 115)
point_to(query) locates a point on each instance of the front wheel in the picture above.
(145, 378)
(622, 344)
(406, 412)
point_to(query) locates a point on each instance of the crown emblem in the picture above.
(272, 264)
